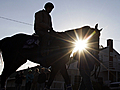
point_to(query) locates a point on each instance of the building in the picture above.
(110, 63)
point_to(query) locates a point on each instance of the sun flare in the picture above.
(80, 45)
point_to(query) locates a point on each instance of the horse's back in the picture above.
(13, 42)
(20, 36)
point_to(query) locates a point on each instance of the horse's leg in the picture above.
(10, 68)
(66, 77)
(86, 81)
(55, 68)
(52, 76)
(4, 76)
(7, 71)
(64, 73)
(60, 65)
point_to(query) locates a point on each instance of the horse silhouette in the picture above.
(16, 52)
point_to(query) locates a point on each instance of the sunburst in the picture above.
(81, 44)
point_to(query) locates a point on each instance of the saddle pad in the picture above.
(31, 43)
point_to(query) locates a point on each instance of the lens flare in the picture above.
(80, 45)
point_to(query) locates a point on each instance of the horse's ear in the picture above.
(101, 29)
(96, 26)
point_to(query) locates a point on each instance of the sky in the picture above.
(17, 16)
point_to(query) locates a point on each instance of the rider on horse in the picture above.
(43, 25)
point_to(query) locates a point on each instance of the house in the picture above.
(110, 63)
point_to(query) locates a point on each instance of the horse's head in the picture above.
(76, 40)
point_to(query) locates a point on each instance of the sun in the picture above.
(79, 46)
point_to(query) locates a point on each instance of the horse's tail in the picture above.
(1, 58)
(1, 51)
(1, 45)
(1, 42)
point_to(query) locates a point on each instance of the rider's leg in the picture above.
(44, 44)
(43, 38)
(52, 76)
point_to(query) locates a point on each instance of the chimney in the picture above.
(110, 43)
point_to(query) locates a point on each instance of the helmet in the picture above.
(49, 4)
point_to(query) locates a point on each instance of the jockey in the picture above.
(43, 24)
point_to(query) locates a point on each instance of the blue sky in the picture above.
(68, 14)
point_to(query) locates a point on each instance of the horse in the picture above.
(16, 52)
